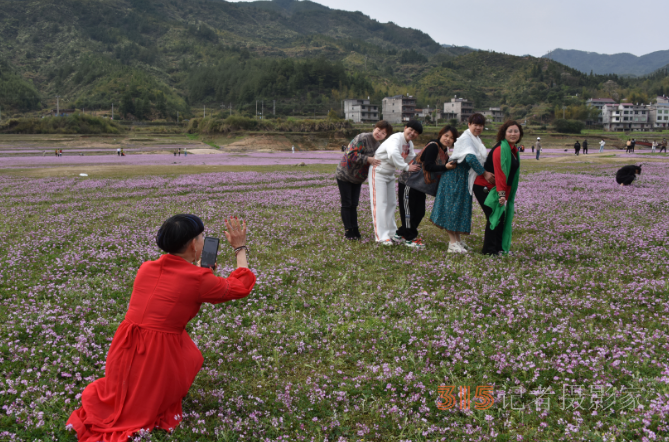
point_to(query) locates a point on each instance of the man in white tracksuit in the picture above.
(395, 153)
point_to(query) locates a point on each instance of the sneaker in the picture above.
(453, 247)
(417, 244)
(464, 246)
(397, 238)
(386, 242)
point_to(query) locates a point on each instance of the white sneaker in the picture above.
(386, 242)
(453, 247)
(464, 246)
(397, 238)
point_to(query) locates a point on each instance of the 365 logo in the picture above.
(483, 397)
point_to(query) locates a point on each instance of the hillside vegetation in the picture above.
(620, 64)
(153, 59)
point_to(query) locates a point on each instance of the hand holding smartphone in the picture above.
(209, 252)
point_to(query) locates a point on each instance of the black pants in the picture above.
(412, 211)
(492, 242)
(663, 148)
(350, 196)
(585, 150)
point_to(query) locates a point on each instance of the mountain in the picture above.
(154, 58)
(619, 64)
(94, 52)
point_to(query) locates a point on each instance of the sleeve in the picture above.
(474, 164)
(429, 159)
(500, 176)
(395, 156)
(216, 290)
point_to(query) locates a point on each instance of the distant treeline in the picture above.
(237, 80)
(16, 92)
(235, 123)
(73, 124)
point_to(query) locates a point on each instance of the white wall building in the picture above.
(361, 111)
(599, 103)
(399, 109)
(459, 107)
(493, 114)
(626, 117)
(659, 115)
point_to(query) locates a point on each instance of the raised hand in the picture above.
(236, 233)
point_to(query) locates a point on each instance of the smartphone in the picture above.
(209, 252)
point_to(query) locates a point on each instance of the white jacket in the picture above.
(395, 153)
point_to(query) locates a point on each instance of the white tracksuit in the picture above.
(395, 153)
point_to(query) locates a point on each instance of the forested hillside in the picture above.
(154, 58)
(620, 64)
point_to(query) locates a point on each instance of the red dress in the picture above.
(152, 361)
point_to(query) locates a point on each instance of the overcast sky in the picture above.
(533, 27)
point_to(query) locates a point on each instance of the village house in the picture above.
(361, 111)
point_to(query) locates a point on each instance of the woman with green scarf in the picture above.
(497, 200)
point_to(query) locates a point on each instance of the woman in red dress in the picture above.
(152, 361)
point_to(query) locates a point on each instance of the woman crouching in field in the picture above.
(152, 361)
(497, 200)
(353, 170)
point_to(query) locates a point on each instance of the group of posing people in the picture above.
(470, 171)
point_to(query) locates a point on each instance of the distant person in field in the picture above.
(663, 146)
(452, 210)
(585, 147)
(627, 174)
(353, 170)
(577, 148)
(601, 145)
(395, 153)
(179, 151)
(497, 201)
(537, 146)
(414, 186)
(633, 144)
(152, 361)
(175, 152)
(653, 146)
(56, 152)
(185, 151)
(118, 152)
(628, 146)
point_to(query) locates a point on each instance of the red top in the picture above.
(152, 361)
(500, 176)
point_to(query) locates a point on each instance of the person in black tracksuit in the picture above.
(577, 148)
(585, 147)
(433, 159)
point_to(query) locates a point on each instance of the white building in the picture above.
(460, 107)
(493, 114)
(361, 111)
(599, 103)
(626, 117)
(659, 115)
(399, 109)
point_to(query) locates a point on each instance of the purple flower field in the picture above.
(72, 158)
(566, 339)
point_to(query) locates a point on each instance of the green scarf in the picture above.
(492, 200)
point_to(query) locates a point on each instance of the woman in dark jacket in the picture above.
(434, 161)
